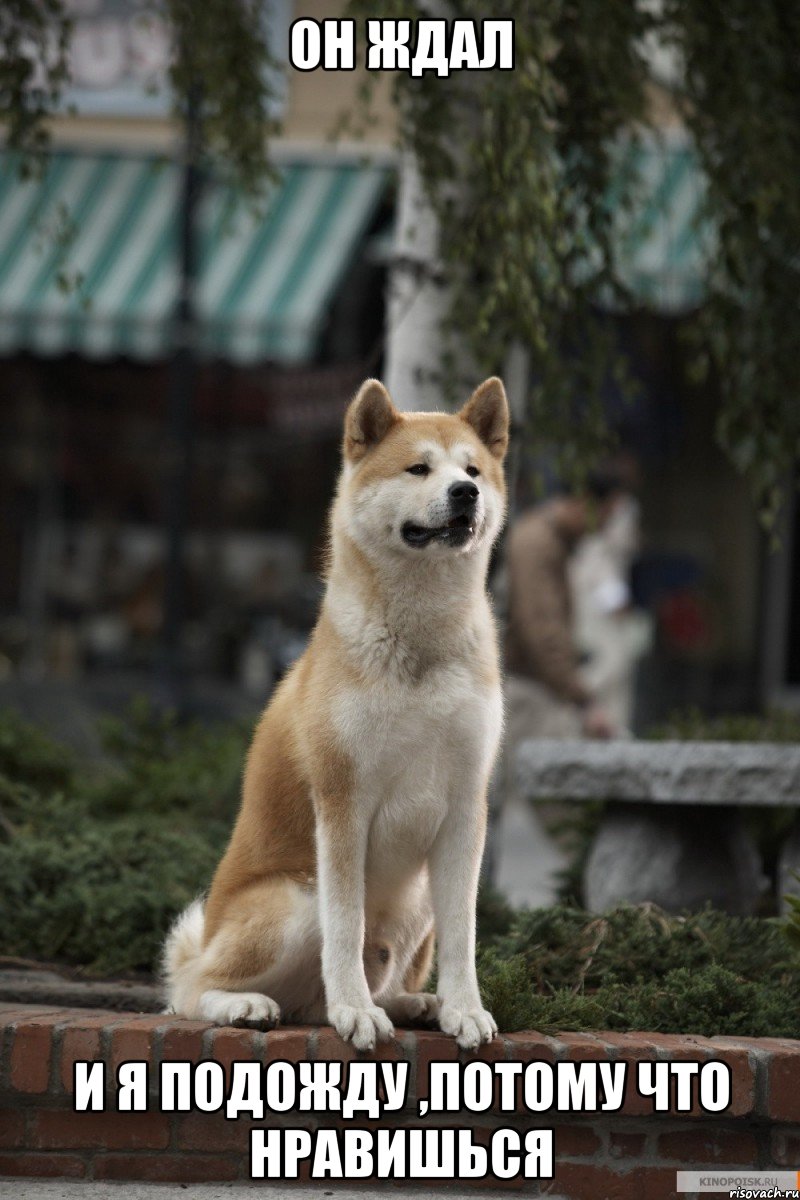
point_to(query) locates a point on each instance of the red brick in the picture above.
(736, 1054)
(14, 1013)
(635, 1048)
(108, 1016)
(330, 1047)
(397, 1049)
(79, 1043)
(531, 1047)
(183, 1041)
(674, 1045)
(432, 1047)
(233, 1045)
(659, 1047)
(12, 1128)
(579, 1181)
(292, 1044)
(527, 1048)
(584, 1181)
(489, 1052)
(31, 1053)
(678, 1046)
(167, 1168)
(785, 1147)
(482, 1136)
(581, 1047)
(131, 1020)
(213, 1132)
(709, 1147)
(515, 1184)
(633, 1042)
(10, 1013)
(768, 1044)
(51, 1166)
(626, 1145)
(659, 1183)
(575, 1141)
(743, 1081)
(132, 1041)
(634, 1104)
(63, 1130)
(784, 1084)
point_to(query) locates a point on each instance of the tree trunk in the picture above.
(417, 300)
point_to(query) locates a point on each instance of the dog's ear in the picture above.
(369, 418)
(487, 412)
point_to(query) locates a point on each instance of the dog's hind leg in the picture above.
(262, 958)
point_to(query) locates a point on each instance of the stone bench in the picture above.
(672, 832)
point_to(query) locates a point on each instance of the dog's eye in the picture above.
(419, 469)
(472, 471)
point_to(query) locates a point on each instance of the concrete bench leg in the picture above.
(677, 856)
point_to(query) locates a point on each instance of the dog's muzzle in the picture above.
(462, 500)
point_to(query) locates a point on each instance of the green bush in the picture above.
(30, 756)
(691, 725)
(160, 765)
(95, 862)
(100, 895)
(638, 968)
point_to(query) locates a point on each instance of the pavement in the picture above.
(58, 1189)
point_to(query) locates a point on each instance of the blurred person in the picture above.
(611, 634)
(547, 695)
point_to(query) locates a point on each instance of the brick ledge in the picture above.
(630, 1155)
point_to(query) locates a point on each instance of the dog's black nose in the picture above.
(462, 494)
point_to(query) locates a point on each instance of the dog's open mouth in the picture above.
(456, 532)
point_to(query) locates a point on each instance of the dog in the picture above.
(363, 812)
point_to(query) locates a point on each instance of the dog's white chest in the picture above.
(415, 751)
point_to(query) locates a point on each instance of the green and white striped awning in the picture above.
(88, 257)
(663, 246)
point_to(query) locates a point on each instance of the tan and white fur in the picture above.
(362, 821)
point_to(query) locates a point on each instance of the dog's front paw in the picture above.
(361, 1026)
(469, 1025)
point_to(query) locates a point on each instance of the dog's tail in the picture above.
(180, 958)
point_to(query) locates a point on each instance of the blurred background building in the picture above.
(288, 315)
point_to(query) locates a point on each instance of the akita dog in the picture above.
(364, 799)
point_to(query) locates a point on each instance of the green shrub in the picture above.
(638, 968)
(30, 756)
(567, 947)
(160, 765)
(691, 725)
(792, 924)
(100, 895)
(96, 862)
